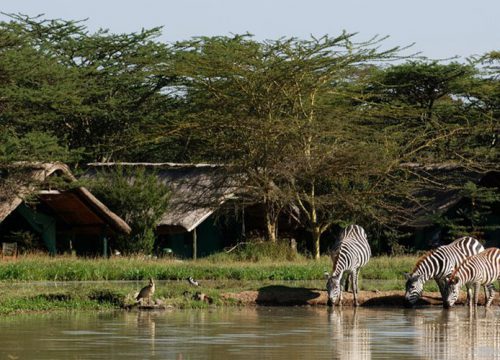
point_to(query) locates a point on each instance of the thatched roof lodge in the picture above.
(38, 198)
(443, 196)
(190, 226)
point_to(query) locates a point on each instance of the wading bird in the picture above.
(146, 292)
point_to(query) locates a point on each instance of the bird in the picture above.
(193, 281)
(146, 292)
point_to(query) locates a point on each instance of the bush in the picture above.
(138, 198)
(265, 250)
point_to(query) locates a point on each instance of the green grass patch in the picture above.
(39, 268)
(37, 283)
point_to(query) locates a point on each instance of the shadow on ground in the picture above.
(284, 295)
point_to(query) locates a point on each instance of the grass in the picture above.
(40, 283)
(40, 268)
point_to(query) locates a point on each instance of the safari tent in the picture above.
(192, 226)
(38, 199)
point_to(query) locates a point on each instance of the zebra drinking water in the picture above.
(349, 254)
(438, 264)
(477, 270)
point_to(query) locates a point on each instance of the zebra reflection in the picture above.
(469, 334)
(350, 338)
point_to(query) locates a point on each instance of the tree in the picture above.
(278, 112)
(94, 91)
(34, 146)
(445, 118)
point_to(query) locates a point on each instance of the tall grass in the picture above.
(65, 268)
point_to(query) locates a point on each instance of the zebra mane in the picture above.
(422, 258)
(335, 257)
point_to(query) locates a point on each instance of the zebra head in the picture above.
(414, 287)
(333, 288)
(451, 291)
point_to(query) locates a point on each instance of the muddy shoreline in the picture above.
(286, 296)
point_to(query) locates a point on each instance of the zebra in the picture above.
(349, 254)
(438, 264)
(481, 269)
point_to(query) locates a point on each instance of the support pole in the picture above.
(195, 244)
(105, 246)
(104, 239)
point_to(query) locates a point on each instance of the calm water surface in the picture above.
(262, 333)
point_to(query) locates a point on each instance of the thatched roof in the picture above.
(77, 204)
(443, 183)
(197, 190)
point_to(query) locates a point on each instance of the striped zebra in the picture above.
(349, 254)
(438, 264)
(481, 269)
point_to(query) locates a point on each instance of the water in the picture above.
(261, 332)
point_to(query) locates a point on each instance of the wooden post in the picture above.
(104, 243)
(195, 245)
(105, 246)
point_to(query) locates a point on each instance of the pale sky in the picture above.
(439, 28)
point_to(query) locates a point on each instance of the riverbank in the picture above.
(39, 283)
(286, 296)
(22, 297)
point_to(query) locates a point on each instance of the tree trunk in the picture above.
(316, 235)
(271, 227)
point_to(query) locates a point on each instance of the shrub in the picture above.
(138, 198)
(259, 250)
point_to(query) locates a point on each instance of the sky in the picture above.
(440, 29)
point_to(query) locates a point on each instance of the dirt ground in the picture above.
(283, 296)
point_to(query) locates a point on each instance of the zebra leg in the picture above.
(469, 295)
(491, 294)
(346, 282)
(441, 285)
(477, 287)
(355, 287)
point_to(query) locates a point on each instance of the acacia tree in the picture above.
(278, 111)
(443, 117)
(96, 91)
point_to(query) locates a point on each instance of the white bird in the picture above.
(193, 281)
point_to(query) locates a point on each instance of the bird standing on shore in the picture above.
(193, 281)
(146, 292)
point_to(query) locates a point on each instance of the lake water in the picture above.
(256, 333)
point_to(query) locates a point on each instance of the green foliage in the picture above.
(422, 83)
(471, 216)
(137, 197)
(258, 251)
(318, 126)
(94, 90)
(35, 146)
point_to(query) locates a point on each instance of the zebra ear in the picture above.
(326, 275)
(407, 275)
